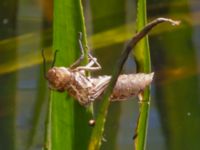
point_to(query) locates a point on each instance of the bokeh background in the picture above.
(174, 123)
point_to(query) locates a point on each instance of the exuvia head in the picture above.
(58, 77)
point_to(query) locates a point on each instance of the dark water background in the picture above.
(174, 123)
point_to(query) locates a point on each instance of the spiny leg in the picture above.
(89, 66)
(78, 61)
(93, 60)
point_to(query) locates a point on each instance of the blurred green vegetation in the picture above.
(174, 115)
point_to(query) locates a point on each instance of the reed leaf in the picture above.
(142, 57)
(67, 120)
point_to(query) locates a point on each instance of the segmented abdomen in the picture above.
(130, 85)
(86, 89)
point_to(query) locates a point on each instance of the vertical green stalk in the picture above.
(142, 57)
(142, 54)
(62, 123)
